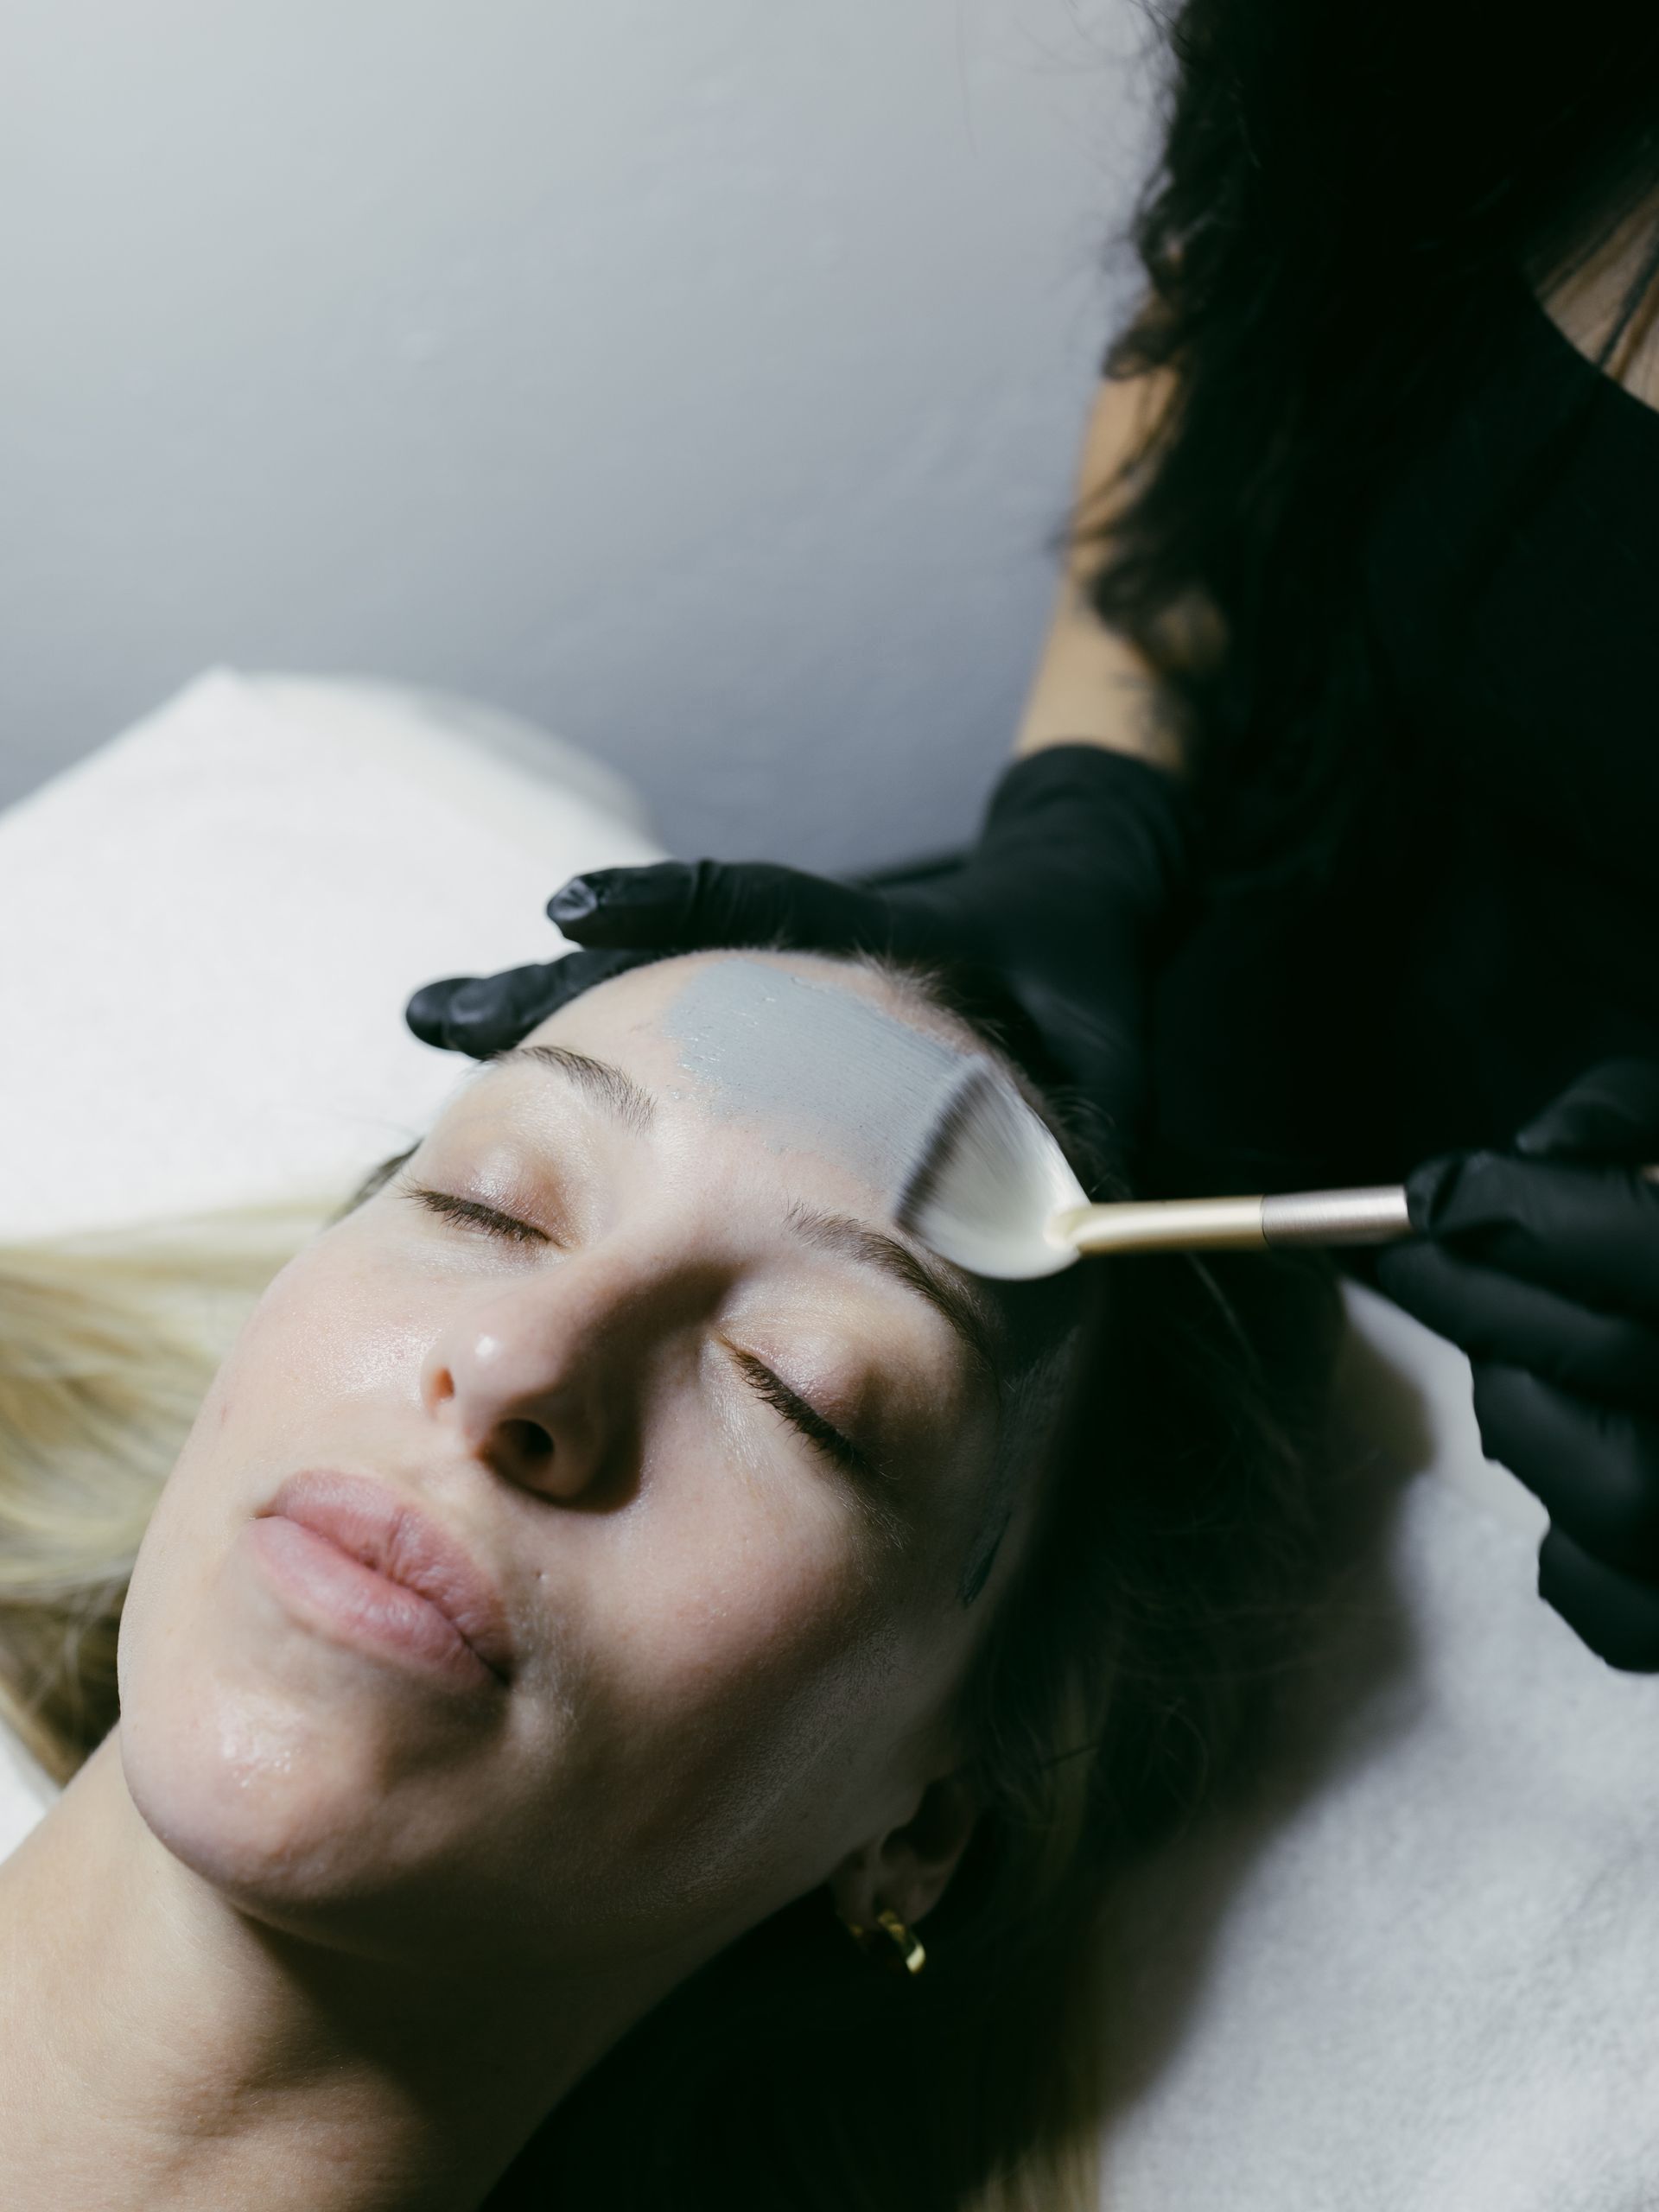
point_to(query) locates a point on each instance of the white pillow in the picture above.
(1415, 1972)
(213, 923)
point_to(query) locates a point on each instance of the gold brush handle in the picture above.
(1237, 1224)
(1377, 1215)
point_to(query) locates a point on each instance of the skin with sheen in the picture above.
(315, 1926)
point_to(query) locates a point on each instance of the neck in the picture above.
(159, 2046)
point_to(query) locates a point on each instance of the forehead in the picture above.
(665, 1003)
(824, 1057)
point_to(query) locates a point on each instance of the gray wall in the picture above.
(703, 381)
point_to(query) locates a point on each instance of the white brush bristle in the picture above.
(988, 1179)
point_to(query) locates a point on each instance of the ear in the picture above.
(907, 1870)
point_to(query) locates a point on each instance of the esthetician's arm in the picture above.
(1048, 922)
(1092, 686)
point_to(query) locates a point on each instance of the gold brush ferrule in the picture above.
(1368, 1217)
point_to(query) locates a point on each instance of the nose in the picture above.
(546, 1380)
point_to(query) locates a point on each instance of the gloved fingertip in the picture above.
(631, 905)
(1611, 1112)
(1570, 1128)
(490, 1013)
(575, 902)
(1616, 1615)
(427, 1014)
(1538, 1140)
(1428, 1187)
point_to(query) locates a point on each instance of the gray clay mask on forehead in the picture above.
(835, 1075)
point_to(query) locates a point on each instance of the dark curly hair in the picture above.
(1331, 242)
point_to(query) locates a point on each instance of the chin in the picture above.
(249, 1793)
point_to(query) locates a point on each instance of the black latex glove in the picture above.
(1044, 927)
(1545, 1268)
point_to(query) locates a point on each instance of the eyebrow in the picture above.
(953, 1295)
(607, 1085)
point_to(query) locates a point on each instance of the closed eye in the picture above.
(805, 1419)
(810, 1423)
(474, 1211)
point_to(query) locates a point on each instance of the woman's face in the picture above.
(644, 1357)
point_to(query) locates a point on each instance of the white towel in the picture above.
(26, 1790)
(1422, 1973)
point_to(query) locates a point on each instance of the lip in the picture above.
(389, 1534)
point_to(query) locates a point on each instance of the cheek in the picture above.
(322, 1335)
(757, 1660)
(734, 1593)
(755, 1559)
(331, 1328)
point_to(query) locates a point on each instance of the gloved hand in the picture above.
(1044, 927)
(1545, 1268)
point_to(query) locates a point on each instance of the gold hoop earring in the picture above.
(891, 1943)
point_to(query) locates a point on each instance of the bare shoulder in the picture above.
(1584, 304)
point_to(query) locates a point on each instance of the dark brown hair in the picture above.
(1333, 239)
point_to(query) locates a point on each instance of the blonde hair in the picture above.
(108, 1342)
(1110, 1687)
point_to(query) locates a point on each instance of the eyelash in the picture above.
(810, 1423)
(478, 1215)
(804, 1419)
